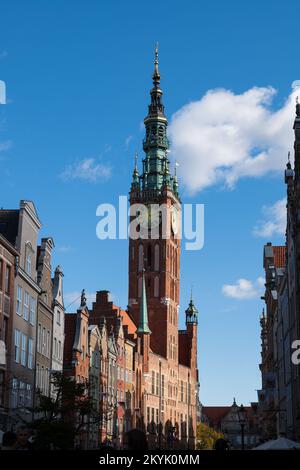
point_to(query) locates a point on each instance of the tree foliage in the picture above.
(206, 437)
(64, 415)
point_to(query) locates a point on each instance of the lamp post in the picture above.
(242, 417)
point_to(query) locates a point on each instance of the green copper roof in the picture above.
(143, 326)
(191, 313)
(155, 173)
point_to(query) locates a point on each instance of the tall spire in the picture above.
(143, 326)
(156, 74)
(135, 176)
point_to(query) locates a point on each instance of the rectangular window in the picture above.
(28, 262)
(30, 353)
(59, 350)
(22, 394)
(157, 383)
(17, 345)
(43, 349)
(24, 350)
(58, 317)
(19, 300)
(48, 343)
(55, 348)
(32, 310)
(153, 383)
(26, 306)
(39, 338)
(157, 420)
(162, 385)
(7, 280)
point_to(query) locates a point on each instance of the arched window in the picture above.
(156, 257)
(28, 258)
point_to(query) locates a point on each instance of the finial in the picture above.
(234, 402)
(136, 160)
(156, 75)
(83, 299)
(175, 168)
(191, 293)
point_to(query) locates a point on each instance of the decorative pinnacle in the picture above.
(156, 75)
(136, 161)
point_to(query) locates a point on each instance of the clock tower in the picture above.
(156, 258)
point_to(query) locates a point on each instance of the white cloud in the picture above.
(225, 136)
(128, 140)
(88, 169)
(274, 222)
(243, 289)
(72, 300)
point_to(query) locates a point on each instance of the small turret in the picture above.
(191, 313)
(135, 176)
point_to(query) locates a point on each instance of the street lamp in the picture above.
(242, 417)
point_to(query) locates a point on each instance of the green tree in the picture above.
(206, 437)
(65, 416)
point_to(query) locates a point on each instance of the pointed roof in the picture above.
(143, 326)
(191, 312)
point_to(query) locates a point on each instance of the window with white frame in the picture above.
(21, 394)
(48, 343)
(43, 349)
(28, 260)
(32, 311)
(58, 317)
(24, 350)
(17, 345)
(30, 353)
(39, 338)
(26, 306)
(19, 300)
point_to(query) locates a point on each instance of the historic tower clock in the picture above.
(158, 257)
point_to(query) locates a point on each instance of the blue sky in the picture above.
(78, 76)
